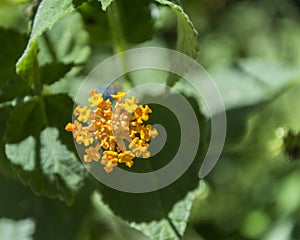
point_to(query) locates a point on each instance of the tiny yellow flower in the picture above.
(95, 99)
(110, 160)
(139, 148)
(92, 154)
(83, 113)
(126, 157)
(86, 138)
(118, 97)
(69, 127)
(148, 132)
(111, 128)
(141, 114)
(130, 104)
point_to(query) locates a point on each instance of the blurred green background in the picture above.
(251, 48)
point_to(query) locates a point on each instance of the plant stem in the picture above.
(37, 78)
(114, 20)
(117, 33)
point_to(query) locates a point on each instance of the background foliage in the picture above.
(252, 51)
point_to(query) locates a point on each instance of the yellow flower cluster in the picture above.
(118, 129)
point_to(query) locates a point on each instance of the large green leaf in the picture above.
(47, 166)
(83, 220)
(48, 214)
(26, 119)
(53, 72)
(14, 88)
(48, 13)
(11, 85)
(62, 106)
(15, 230)
(30, 117)
(187, 41)
(62, 50)
(174, 224)
(40, 159)
(157, 204)
(12, 44)
(65, 43)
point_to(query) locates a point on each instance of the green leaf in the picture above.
(47, 166)
(48, 13)
(15, 230)
(130, 24)
(5, 167)
(157, 204)
(173, 226)
(105, 3)
(137, 22)
(67, 45)
(12, 16)
(93, 18)
(31, 117)
(187, 41)
(104, 217)
(19, 202)
(14, 88)
(248, 86)
(268, 138)
(58, 109)
(13, 44)
(41, 161)
(26, 119)
(11, 86)
(53, 72)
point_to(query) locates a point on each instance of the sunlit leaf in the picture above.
(174, 224)
(187, 41)
(42, 162)
(105, 4)
(47, 166)
(58, 109)
(66, 42)
(48, 13)
(15, 230)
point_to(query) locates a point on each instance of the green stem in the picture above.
(120, 45)
(37, 78)
(114, 20)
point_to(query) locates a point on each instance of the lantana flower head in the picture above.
(117, 127)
